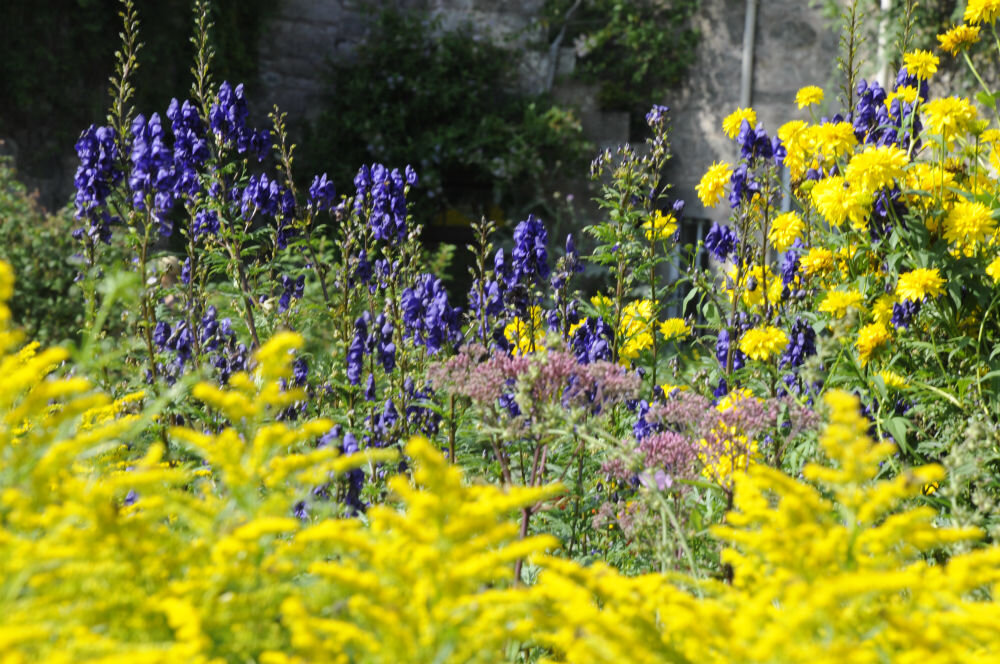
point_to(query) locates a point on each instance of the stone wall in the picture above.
(794, 46)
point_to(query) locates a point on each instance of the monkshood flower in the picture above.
(657, 115)
(228, 120)
(566, 266)
(754, 143)
(801, 344)
(292, 289)
(744, 186)
(721, 241)
(260, 195)
(206, 222)
(904, 312)
(356, 351)
(428, 318)
(419, 415)
(530, 256)
(190, 146)
(153, 170)
(790, 264)
(321, 193)
(722, 347)
(380, 198)
(591, 341)
(97, 149)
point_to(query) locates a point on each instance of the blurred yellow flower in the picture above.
(763, 343)
(732, 123)
(836, 303)
(993, 270)
(959, 38)
(917, 284)
(674, 328)
(785, 230)
(981, 11)
(660, 226)
(810, 95)
(922, 64)
(817, 260)
(713, 184)
(949, 117)
(871, 337)
(968, 224)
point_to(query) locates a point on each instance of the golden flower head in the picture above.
(836, 303)
(785, 230)
(993, 270)
(713, 184)
(922, 64)
(949, 116)
(959, 38)
(763, 343)
(810, 95)
(734, 121)
(871, 337)
(969, 223)
(674, 328)
(916, 284)
(660, 226)
(981, 11)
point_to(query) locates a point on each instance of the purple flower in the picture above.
(380, 198)
(206, 222)
(321, 193)
(801, 344)
(428, 318)
(721, 241)
(291, 289)
(228, 120)
(97, 149)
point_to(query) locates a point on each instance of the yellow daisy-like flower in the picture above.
(818, 260)
(981, 11)
(959, 38)
(932, 179)
(763, 343)
(731, 125)
(922, 64)
(526, 335)
(906, 94)
(834, 139)
(635, 330)
(785, 230)
(993, 270)
(876, 168)
(810, 95)
(892, 379)
(674, 328)
(917, 284)
(713, 184)
(969, 223)
(838, 202)
(949, 116)
(796, 137)
(871, 337)
(882, 309)
(836, 303)
(752, 284)
(660, 226)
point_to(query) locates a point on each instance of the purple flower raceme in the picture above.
(744, 186)
(153, 173)
(291, 289)
(721, 241)
(97, 149)
(206, 222)
(321, 193)
(190, 146)
(591, 341)
(428, 318)
(904, 312)
(228, 121)
(801, 344)
(380, 198)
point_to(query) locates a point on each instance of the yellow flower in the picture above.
(871, 337)
(834, 139)
(763, 343)
(785, 230)
(969, 223)
(922, 64)
(882, 309)
(875, 168)
(809, 96)
(734, 121)
(959, 38)
(933, 181)
(752, 283)
(660, 226)
(674, 328)
(892, 379)
(981, 11)
(949, 116)
(837, 202)
(713, 184)
(526, 336)
(917, 284)
(993, 270)
(906, 94)
(817, 260)
(836, 303)
(635, 332)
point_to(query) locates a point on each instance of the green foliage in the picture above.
(632, 50)
(447, 103)
(39, 247)
(56, 57)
